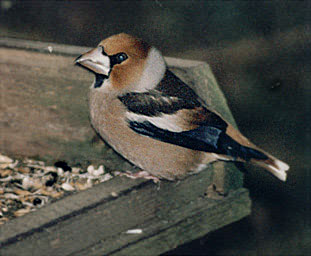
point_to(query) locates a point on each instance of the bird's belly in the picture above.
(160, 159)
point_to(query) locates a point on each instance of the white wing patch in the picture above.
(165, 121)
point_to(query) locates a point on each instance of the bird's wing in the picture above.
(172, 113)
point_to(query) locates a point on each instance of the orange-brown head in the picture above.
(124, 62)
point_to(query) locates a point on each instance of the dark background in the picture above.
(260, 54)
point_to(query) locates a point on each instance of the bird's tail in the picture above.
(274, 166)
(236, 151)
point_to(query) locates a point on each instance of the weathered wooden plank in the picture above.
(203, 218)
(65, 207)
(175, 213)
(44, 114)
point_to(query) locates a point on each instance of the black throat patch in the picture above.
(99, 80)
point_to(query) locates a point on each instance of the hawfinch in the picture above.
(153, 119)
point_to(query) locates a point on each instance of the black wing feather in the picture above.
(204, 138)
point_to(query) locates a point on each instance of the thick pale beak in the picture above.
(95, 61)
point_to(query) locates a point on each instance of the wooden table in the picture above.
(44, 114)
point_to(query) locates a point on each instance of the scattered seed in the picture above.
(6, 179)
(50, 183)
(63, 165)
(5, 159)
(83, 186)
(75, 170)
(67, 187)
(134, 231)
(100, 170)
(22, 212)
(37, 201)
(60, 171)
(114, 194)
(106, 177)
(6, 172)
(23, 170)
(10, 196)
(90, 169)
(30, 184)
(50, 49)
(22, 192)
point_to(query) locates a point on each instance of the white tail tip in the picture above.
(280, 170)
(275, 167)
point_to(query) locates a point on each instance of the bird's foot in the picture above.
(140, 174)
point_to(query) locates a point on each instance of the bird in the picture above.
(155, 120)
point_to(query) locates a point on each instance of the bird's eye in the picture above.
(121, 57)
(117, 58)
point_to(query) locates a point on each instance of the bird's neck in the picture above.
(153, 73)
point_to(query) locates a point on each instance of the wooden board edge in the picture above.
(73, 50)
(233, 208)
(66, 207)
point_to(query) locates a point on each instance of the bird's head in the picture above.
(124, 63)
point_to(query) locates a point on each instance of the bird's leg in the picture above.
(140, 174)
